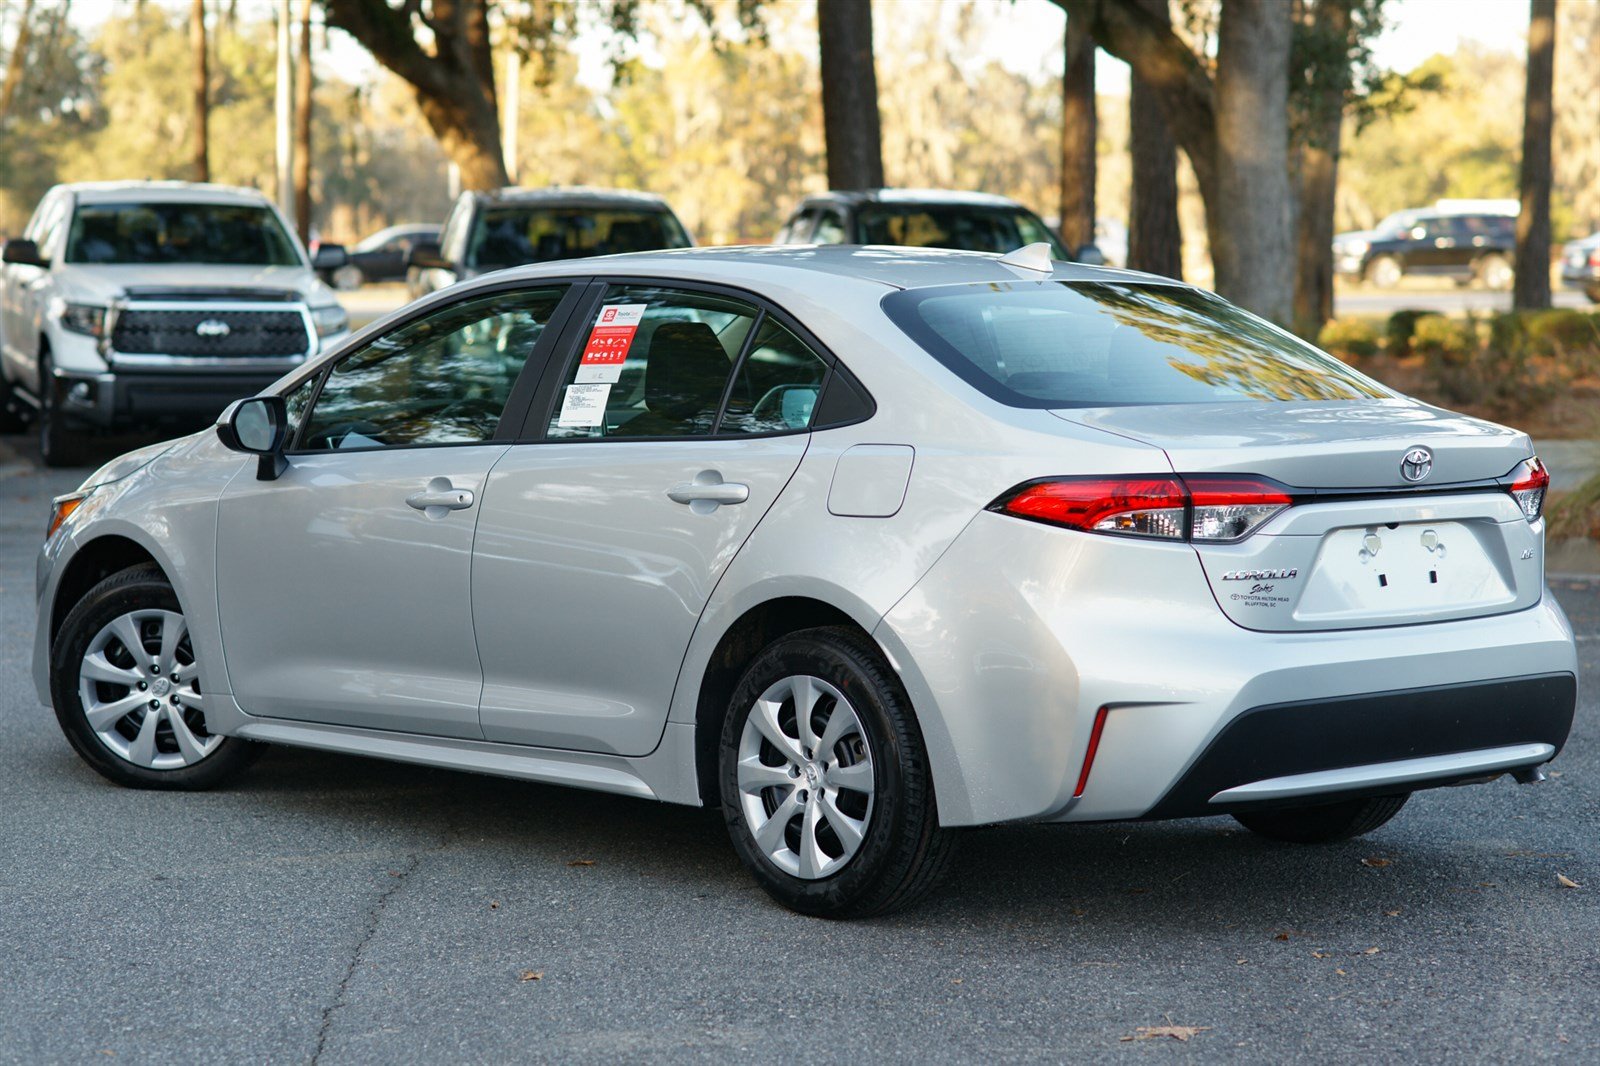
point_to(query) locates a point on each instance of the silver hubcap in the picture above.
(805, 777)
(140, 688)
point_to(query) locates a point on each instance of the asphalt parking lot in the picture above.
(344, 910)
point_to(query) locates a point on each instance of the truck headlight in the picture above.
(330, 320)
(88, 319)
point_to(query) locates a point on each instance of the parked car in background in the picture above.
(382, 256)
(871, 546)
(1448, 240)
(1580, 266)
(126, 304)
(513, 227)
(919, 218)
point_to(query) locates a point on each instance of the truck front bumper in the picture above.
(124, 398)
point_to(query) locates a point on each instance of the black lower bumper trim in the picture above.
(1304, 737)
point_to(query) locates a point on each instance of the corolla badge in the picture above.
(213, 327)
(1416, 464)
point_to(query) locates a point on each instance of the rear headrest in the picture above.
(685, 370)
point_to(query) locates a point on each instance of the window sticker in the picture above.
(584, 405)
(608, 345)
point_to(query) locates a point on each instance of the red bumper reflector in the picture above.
(1088, 755)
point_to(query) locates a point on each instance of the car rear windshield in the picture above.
(1100, 344)
(234, 234)
(511, 235)
(966, 227)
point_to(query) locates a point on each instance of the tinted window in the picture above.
(1081, 344)
(509, 235)
(830, 229)
(179, 233)
(963, 226)
(654, 363)
(777, 385)
(443, 379)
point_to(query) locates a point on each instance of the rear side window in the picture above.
(1098, 344)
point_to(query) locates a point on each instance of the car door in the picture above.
(672, 423)
(23, 291)
(344, 585)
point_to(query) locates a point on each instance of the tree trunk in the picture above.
(1319, 171)
(849, 95)
(1532, 289)
(17, 61)
(1249, 213)
(1155, 241)
(454, 83)
(1078, 135)
(202, 93)
(302, 128)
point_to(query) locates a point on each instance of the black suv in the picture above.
(919, 218)
(510, 227)
(1463, 246)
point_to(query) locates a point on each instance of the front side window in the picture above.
(443, 379)
(150, 233)
(655, 363)
(1095, 344)
(510, 235)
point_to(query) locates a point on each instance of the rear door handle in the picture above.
(707, 492)
(440, 498)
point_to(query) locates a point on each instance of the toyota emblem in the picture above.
(213, 327)
(1417, 464)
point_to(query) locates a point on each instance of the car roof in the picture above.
(573, 196)
(188, 192)
(801, 266)
(953, 197)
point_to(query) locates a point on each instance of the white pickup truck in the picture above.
(128, 304)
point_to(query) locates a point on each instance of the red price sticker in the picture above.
(609, 341)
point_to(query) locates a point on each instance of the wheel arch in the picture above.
(91, 564)
(738, 646)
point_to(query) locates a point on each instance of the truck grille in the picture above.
(214, 333)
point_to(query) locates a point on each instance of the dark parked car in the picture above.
(1463, 246)
(919, 218)
(1580, 266)
(511, 227)
(382, 256)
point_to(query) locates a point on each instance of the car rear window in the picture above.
(967, 227)
(1101, 344)
(512, 235)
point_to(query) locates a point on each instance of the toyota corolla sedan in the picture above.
(862, 545)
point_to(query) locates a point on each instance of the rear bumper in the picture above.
(123, 398)
(1375, 744)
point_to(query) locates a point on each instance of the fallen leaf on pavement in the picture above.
(531, 975)
(1377, 863)
(955, 980)
(1567, 882)
(1341, 973)
(1392, 914)
(1322, 954)
(1281, 936)
(1371, 951)
(494, 904)
(1176, 1032)
(581, 862)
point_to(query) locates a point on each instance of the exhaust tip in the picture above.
(1530, 775)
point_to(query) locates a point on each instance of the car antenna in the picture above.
(1031, 257)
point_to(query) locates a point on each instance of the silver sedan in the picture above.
(861, 545)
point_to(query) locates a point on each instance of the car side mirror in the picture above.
(1089, 255)
(258, 426)
(427, 255)
(329, 257)
(23, 253)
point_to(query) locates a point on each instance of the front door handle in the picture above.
(440, 498)
(707, 492)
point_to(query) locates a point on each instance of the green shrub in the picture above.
(1444, 341)
(1401, 327)
(1351, 339)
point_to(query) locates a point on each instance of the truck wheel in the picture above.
(1495, 272)
(1385, 272)
(58, 445)
(1593, 293)
(348, 278)
(11, 417)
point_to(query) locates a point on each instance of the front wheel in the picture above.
(1495, 271)
(1385, 272)
(12, 419)
(348, 278)
(1326, 822)
(825, 781)
(125, 682)
(58, 446)
(1593, 293)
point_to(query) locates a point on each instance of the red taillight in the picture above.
(1088, 755)
(1215, 508)
(1594, 258)
(1528, 484)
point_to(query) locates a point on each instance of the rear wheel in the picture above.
(825, 781)
(12, 419)
(58, 445)
(348, 278)
(1593, 293)
(1496, 273)
(1324, 823)
(125, 682)
(1385, 272)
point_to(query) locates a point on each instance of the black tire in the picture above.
(58, 445)
(1324, 823)
(903, 853)
(12, 418)
(137, 588)
(1495, 272)
(1385, 271)
(1593, 293)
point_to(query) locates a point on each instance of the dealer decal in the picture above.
(608, 344)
